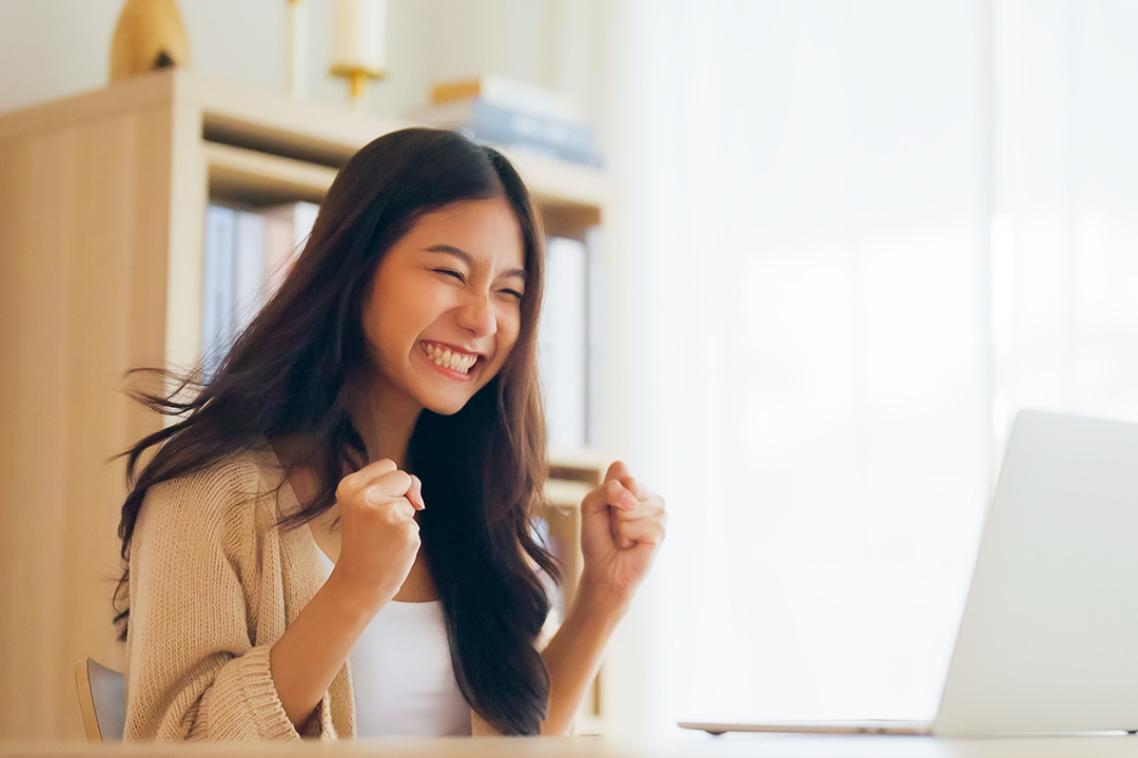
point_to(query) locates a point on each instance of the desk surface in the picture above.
(696, 745)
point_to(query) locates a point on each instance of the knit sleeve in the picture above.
(193, 671)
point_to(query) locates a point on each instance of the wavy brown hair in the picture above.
(483, 468)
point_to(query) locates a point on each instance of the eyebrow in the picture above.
(465, 256)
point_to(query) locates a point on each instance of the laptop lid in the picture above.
(1048, 641)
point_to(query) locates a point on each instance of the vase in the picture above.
(149, 35)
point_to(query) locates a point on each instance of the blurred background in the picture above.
(825, 250)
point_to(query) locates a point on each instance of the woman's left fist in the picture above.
(622, 525)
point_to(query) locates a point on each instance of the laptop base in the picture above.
(870, 726)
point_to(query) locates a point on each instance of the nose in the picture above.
(477, 316)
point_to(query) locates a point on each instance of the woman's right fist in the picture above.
(379, 537)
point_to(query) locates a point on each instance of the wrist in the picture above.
(352, 599)
(595, 597)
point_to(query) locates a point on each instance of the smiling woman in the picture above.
(354, 488)
(335, 535)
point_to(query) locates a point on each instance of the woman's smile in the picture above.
(436, 360)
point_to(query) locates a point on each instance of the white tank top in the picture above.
(402, 676)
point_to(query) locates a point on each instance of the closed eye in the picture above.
(460, 277)
(455, 274)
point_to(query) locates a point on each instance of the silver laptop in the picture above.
(1048, 641)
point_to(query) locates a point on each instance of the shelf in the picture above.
(572, 197)
(582, 457)
(564, 494)
(237, 173)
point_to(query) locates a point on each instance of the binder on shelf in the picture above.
(562, 349)
(595, 337)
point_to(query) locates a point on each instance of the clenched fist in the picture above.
(379, 537)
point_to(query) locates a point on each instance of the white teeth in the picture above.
(454, 361)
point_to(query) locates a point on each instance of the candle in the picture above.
(358, 31)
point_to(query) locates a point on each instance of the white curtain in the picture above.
(1065, 226)
(849, 240)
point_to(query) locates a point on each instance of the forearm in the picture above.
(304, 661)
(574, 655)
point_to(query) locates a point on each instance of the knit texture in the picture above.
(213, 584)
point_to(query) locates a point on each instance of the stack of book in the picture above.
(513, 114)
(247, 254)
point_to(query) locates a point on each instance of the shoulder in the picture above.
(218, 502)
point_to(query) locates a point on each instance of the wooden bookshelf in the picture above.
(101, 226)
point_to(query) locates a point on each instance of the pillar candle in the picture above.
(358, 31)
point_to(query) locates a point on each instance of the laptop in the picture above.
(1048, 641)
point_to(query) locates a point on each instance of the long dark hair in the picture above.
(483, 468)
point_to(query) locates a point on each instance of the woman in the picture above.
(334, 539)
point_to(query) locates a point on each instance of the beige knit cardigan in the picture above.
(213, 584)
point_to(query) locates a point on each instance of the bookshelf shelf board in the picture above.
(584, 457)
(570, 196)
(563, 494)
(239, 173)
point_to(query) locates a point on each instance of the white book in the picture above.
(304, 217)
(248, 269)
(562, 346)
(595, 336)
(217, 284)
(287, 228)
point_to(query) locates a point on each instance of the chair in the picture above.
(102, 700)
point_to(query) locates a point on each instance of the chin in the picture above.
(446, 408)
(445, 411)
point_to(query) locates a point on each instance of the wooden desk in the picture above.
(695, 745)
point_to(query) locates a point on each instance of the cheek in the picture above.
(509, 328)
(401, 314)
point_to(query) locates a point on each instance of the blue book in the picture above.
(482, 120)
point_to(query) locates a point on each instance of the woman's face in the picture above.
(452, 283)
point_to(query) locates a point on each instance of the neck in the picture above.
(385, 419)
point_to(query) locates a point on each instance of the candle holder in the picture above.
(358, 78)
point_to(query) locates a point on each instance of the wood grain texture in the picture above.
(83, 216)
